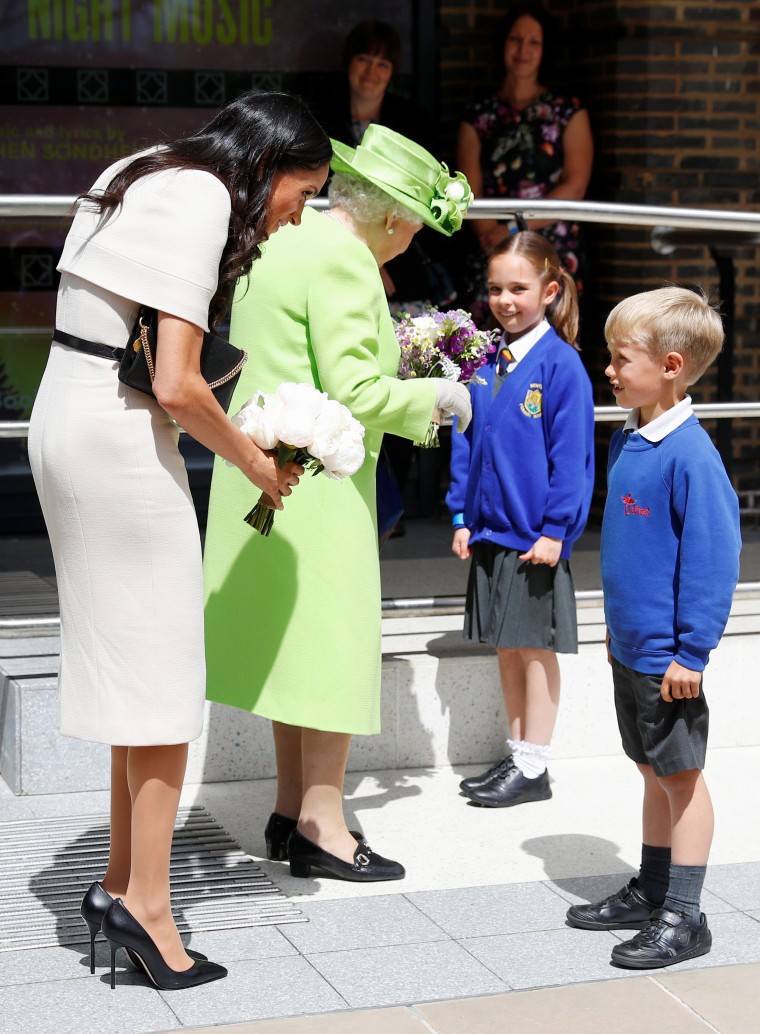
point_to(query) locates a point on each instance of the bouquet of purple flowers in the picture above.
(443, 344)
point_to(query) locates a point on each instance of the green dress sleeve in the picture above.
(354, 346)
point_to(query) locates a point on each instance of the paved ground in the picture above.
(473, 939)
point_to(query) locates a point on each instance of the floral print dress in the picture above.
(522, 157)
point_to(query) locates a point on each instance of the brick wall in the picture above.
(674, 96)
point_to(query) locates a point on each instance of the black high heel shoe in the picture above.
(122, 930)
(277, 831)
(367, 866)
(95, 904)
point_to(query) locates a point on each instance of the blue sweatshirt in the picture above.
(525, 466)
(670, 549)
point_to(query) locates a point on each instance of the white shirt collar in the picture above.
(522, 345)
(663, 424)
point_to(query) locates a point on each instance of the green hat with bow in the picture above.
(409, 174)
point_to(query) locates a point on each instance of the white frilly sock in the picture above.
(530, 758)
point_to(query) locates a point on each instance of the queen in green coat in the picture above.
(293, 619)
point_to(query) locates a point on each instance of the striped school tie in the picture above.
(503, 360)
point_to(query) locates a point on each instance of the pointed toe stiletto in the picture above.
(277, 831)
(122, 930)
(367, 867)
(95, 904)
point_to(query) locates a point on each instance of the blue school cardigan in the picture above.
(525, 466)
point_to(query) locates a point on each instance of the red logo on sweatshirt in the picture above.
(632, 509)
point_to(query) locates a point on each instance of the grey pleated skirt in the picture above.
(518, 605)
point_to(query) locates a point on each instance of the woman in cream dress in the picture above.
(171, 228)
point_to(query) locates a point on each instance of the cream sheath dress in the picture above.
(110, 478)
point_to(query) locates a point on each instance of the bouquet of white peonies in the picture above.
(306, 427)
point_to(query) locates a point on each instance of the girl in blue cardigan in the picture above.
(521, 482)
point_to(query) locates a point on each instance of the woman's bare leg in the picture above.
(116, 879)
(155, 777)
(325, 756)
(288, 757)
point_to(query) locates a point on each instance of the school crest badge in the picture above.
(531, 404)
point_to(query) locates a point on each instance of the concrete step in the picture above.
(441, 705)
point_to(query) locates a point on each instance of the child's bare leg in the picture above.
(692, 822)
(691, 817)
(542, 695)
(531, 685)
(654, 872)
(655, 812)
(512, 677)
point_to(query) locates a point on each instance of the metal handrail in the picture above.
(60, 206)
(456, 603)
(602, 415)
(422, 605)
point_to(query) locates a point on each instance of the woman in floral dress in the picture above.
(525, 141)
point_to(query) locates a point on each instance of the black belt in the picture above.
(90, 347)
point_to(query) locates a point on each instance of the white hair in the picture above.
(366, 202)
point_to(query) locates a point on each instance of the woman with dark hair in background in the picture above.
(173, 228)
(526, 140)
(371, 57)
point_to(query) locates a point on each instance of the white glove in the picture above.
(451, 397)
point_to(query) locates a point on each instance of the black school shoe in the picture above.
(627, 909)
(509, 787)
(668, 938)
(476, 781)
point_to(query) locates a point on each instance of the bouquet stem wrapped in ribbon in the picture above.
(442, 344)
(304, 426)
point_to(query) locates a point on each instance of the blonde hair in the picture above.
(669, 319)
(542, 256)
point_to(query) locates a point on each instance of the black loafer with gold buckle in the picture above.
(367, 867)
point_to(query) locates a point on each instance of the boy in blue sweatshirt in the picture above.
(670, 562)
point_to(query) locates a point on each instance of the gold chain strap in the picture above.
(232, 373)
(142, 342)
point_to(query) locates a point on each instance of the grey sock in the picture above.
(654, 875)
(685, 889)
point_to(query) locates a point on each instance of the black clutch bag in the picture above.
(221, 362)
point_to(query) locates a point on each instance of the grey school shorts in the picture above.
(670, 737)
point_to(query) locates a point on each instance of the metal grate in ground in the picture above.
(47, 864)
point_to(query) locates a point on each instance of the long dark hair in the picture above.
(244, 145)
